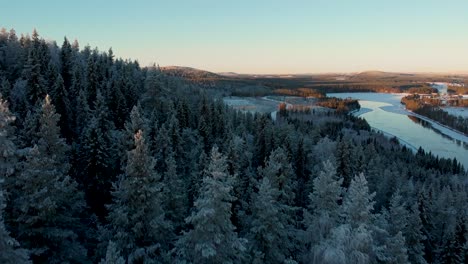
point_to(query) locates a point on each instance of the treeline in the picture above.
(302, 92)
(428, 107)
(339, 104)
(451, 89)
(422, 90)
(106, 162)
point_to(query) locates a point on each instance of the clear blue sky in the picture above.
(260, 36)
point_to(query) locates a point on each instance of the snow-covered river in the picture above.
(385, 113)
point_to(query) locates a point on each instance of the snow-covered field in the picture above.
(252, 104)
(457, 111)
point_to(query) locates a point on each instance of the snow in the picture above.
(440, 86)
(252, 104)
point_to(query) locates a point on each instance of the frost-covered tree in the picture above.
(414, 236)
(323, 212)
(358, 203)
(279, 171)
(271, 233)
(47, 203)
(396, 250)
(398, 215)
(136, 218)
(62, 104)
(175, 193)
(136, 122)
(345, 245)
(344, 161)
(213, 238)
(97, 158)
(352, 241)
(10, 252)
(8, 149)
(112, 255)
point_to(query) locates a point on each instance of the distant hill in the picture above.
(380, 74)
(228, 74)
(189, 73)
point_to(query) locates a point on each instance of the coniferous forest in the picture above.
(105, 161)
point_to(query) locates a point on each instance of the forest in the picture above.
(105, 161)
(429, 107)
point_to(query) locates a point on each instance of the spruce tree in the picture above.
(47, 202)
(97, 158)
(271, 233)
(323, 212)
(7, 153)
(112, 255)
(10, 252)
(9, 247)
(137, 220)
(358, 203)
(212, 238)
(279, 171)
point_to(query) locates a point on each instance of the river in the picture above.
(384, 112)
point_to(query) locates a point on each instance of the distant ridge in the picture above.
(188, 72)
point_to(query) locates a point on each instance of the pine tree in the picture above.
(279, 171)
(66, 62)
(137, 220)
(8, 149)
(396, 250)
(32, 73)
(136, 122)
(344, 161)
(324, 208)
(97, 158)
(397, 216)
(9, 247)
(10, 253)
(5, 87)
(47, 203)
(353, 240)
(112, 255)
(62, 104)
(271, 232)
(415, 237)
(358, 203)
(213, 238)
(175, 193)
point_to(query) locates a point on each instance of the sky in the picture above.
(256, 36)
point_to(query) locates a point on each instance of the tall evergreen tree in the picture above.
(323, 212)
(112, 255)
(7, 153)
(358, 203)
(279, 171)
(47, 203)
(9, 248)
(213, 238)
(10, 252)
(271, 233)
(415, 237)
(136, 217)
(97, 159)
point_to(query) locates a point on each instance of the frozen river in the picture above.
(385, 113)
